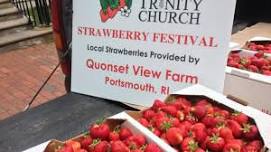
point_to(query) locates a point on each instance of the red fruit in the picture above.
(253, 68)
(210, 121)
(157, 105)
(249, 148)
(232, 148)
(236, 141)
(163, 123)
(259, 54)
(199, 111)
(148, 114)
(259, 62)
(257, 144)
(125, 133)
(100, 131)
(144, 122)
(114, 136)
(215, 143)
(86, 142)
(250, 131)
(119, 146)
(226, 133)
(200, 150)
(239, 117)
(139, 140)
(200, 132)
(266, 72)
(211, 131)
(170, 110)
(186, 124)
(189, 145)
(224, 113)
(235, 128)
(175, 122)
(152, 148)
(174, 136)
(102, 146)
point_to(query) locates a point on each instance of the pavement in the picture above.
(22, 72)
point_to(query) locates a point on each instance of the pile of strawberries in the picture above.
(258, 63)
(266, 48)
(101, 139)
(200, 126)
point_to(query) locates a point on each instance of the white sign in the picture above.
(137, 51)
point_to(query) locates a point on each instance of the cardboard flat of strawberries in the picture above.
(199, 92)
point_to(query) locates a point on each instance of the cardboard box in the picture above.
(221, 100)
(251, 88)
(123, 120)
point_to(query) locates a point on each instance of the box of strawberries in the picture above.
(248, 77)
(198, 119)
(259, 44)
(115, 134)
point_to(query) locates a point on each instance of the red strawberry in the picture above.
(144, 122)
(253, 68)
(174, 136)
(125, 133)
(119, 146)
(99, 130)
(266, 72)
(148, 114)
(257, 144)
(139, 140)
(170, 110)
(157, 105)
(211, 131)
(226, 133)
(189, 145)
(87, 140)
(114, 136)
(102, 146)
(239, 117)
(163, 123)
(210, 121)
(236, 141)
(232, 148)
(152, 148)
(259, 54)
(235, 128)
(250, 131)
(200, 132)
(249, 148)
(186, 124)
(175, 122)
(199, 111)
(215, 143)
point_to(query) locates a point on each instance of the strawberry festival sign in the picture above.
(137, 51)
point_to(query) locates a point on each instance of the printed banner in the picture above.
(135, 51)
